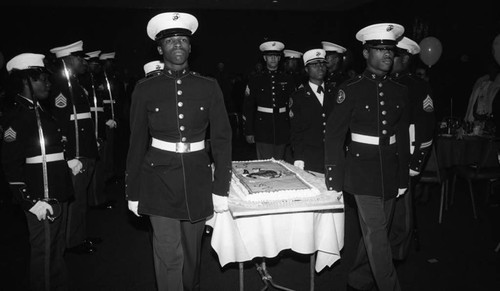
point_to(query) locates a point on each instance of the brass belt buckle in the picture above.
(181, 147)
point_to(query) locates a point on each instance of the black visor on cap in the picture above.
(172, 32)
(79, 54)
(380, 42)
(271, 53)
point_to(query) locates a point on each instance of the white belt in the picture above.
(108, 101)
(178, 147)
(80, 116)
(98, 109)
(426, 144)
(367, 139)
(270, 110)
(49, 158)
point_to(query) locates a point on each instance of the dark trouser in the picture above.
(267, 150)
(96, 193)
(177, 253)
(109, 153)
(76, 231)
(373, 263)
(57, 275)
(402, 226)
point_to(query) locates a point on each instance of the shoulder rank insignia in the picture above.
(340, 96)
(428, 104)
(9, 135)
(61, 101)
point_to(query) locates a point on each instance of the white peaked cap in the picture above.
(292, 54)
(153, 66)
(271, 46)
(171, 24)
(107, 56)
(381, 32)
(25, 61)
(409, 45)
(332, 47)
(67, 50)
(314, 55)
(93, 54)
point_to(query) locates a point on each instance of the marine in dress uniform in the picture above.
(71, 108)
(421, 131)
(334, 58)
(96, 195)
(169, 174)
(265, 107)
(113, 91)
(374, 110)
(310, 106)
(292, 65)
(34, 164)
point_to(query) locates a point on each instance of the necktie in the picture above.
(320, 90)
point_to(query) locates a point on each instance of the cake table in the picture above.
(313, 226)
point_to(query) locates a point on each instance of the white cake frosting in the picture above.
(270, 180)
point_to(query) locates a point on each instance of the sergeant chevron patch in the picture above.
(61, 101)
(428, 104)
(9, 135)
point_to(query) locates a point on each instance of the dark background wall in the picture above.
(233, 35)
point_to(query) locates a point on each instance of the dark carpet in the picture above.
(455, 255)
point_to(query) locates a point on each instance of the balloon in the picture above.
(430, 50)
(496, 49)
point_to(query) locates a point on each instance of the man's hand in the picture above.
(111, 123)
(250, 138)
(413, 173)
(299, 164)
(133, 206)
(76, 166)
(338, 193)
(40, 210)
(401, 191)
(220, 203)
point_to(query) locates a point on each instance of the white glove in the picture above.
(76, 166)
(250, 138)
(299, 164)
(132, 206)
(220, 203)
(413, 173)
(40, 210)
(401, 191)
(111, 123)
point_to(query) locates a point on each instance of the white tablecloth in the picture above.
(244, 238)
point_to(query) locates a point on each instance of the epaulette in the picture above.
(201, 76)
(398, 83)
(354, 80)
(144, 79)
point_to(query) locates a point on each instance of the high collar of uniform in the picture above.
(272, 72)
(176, 74)
(400, 74)
(20, 99)
(374, 76)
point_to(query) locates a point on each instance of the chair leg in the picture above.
(452, 199)
(471, 191)
(446, 186)
(441, 204)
